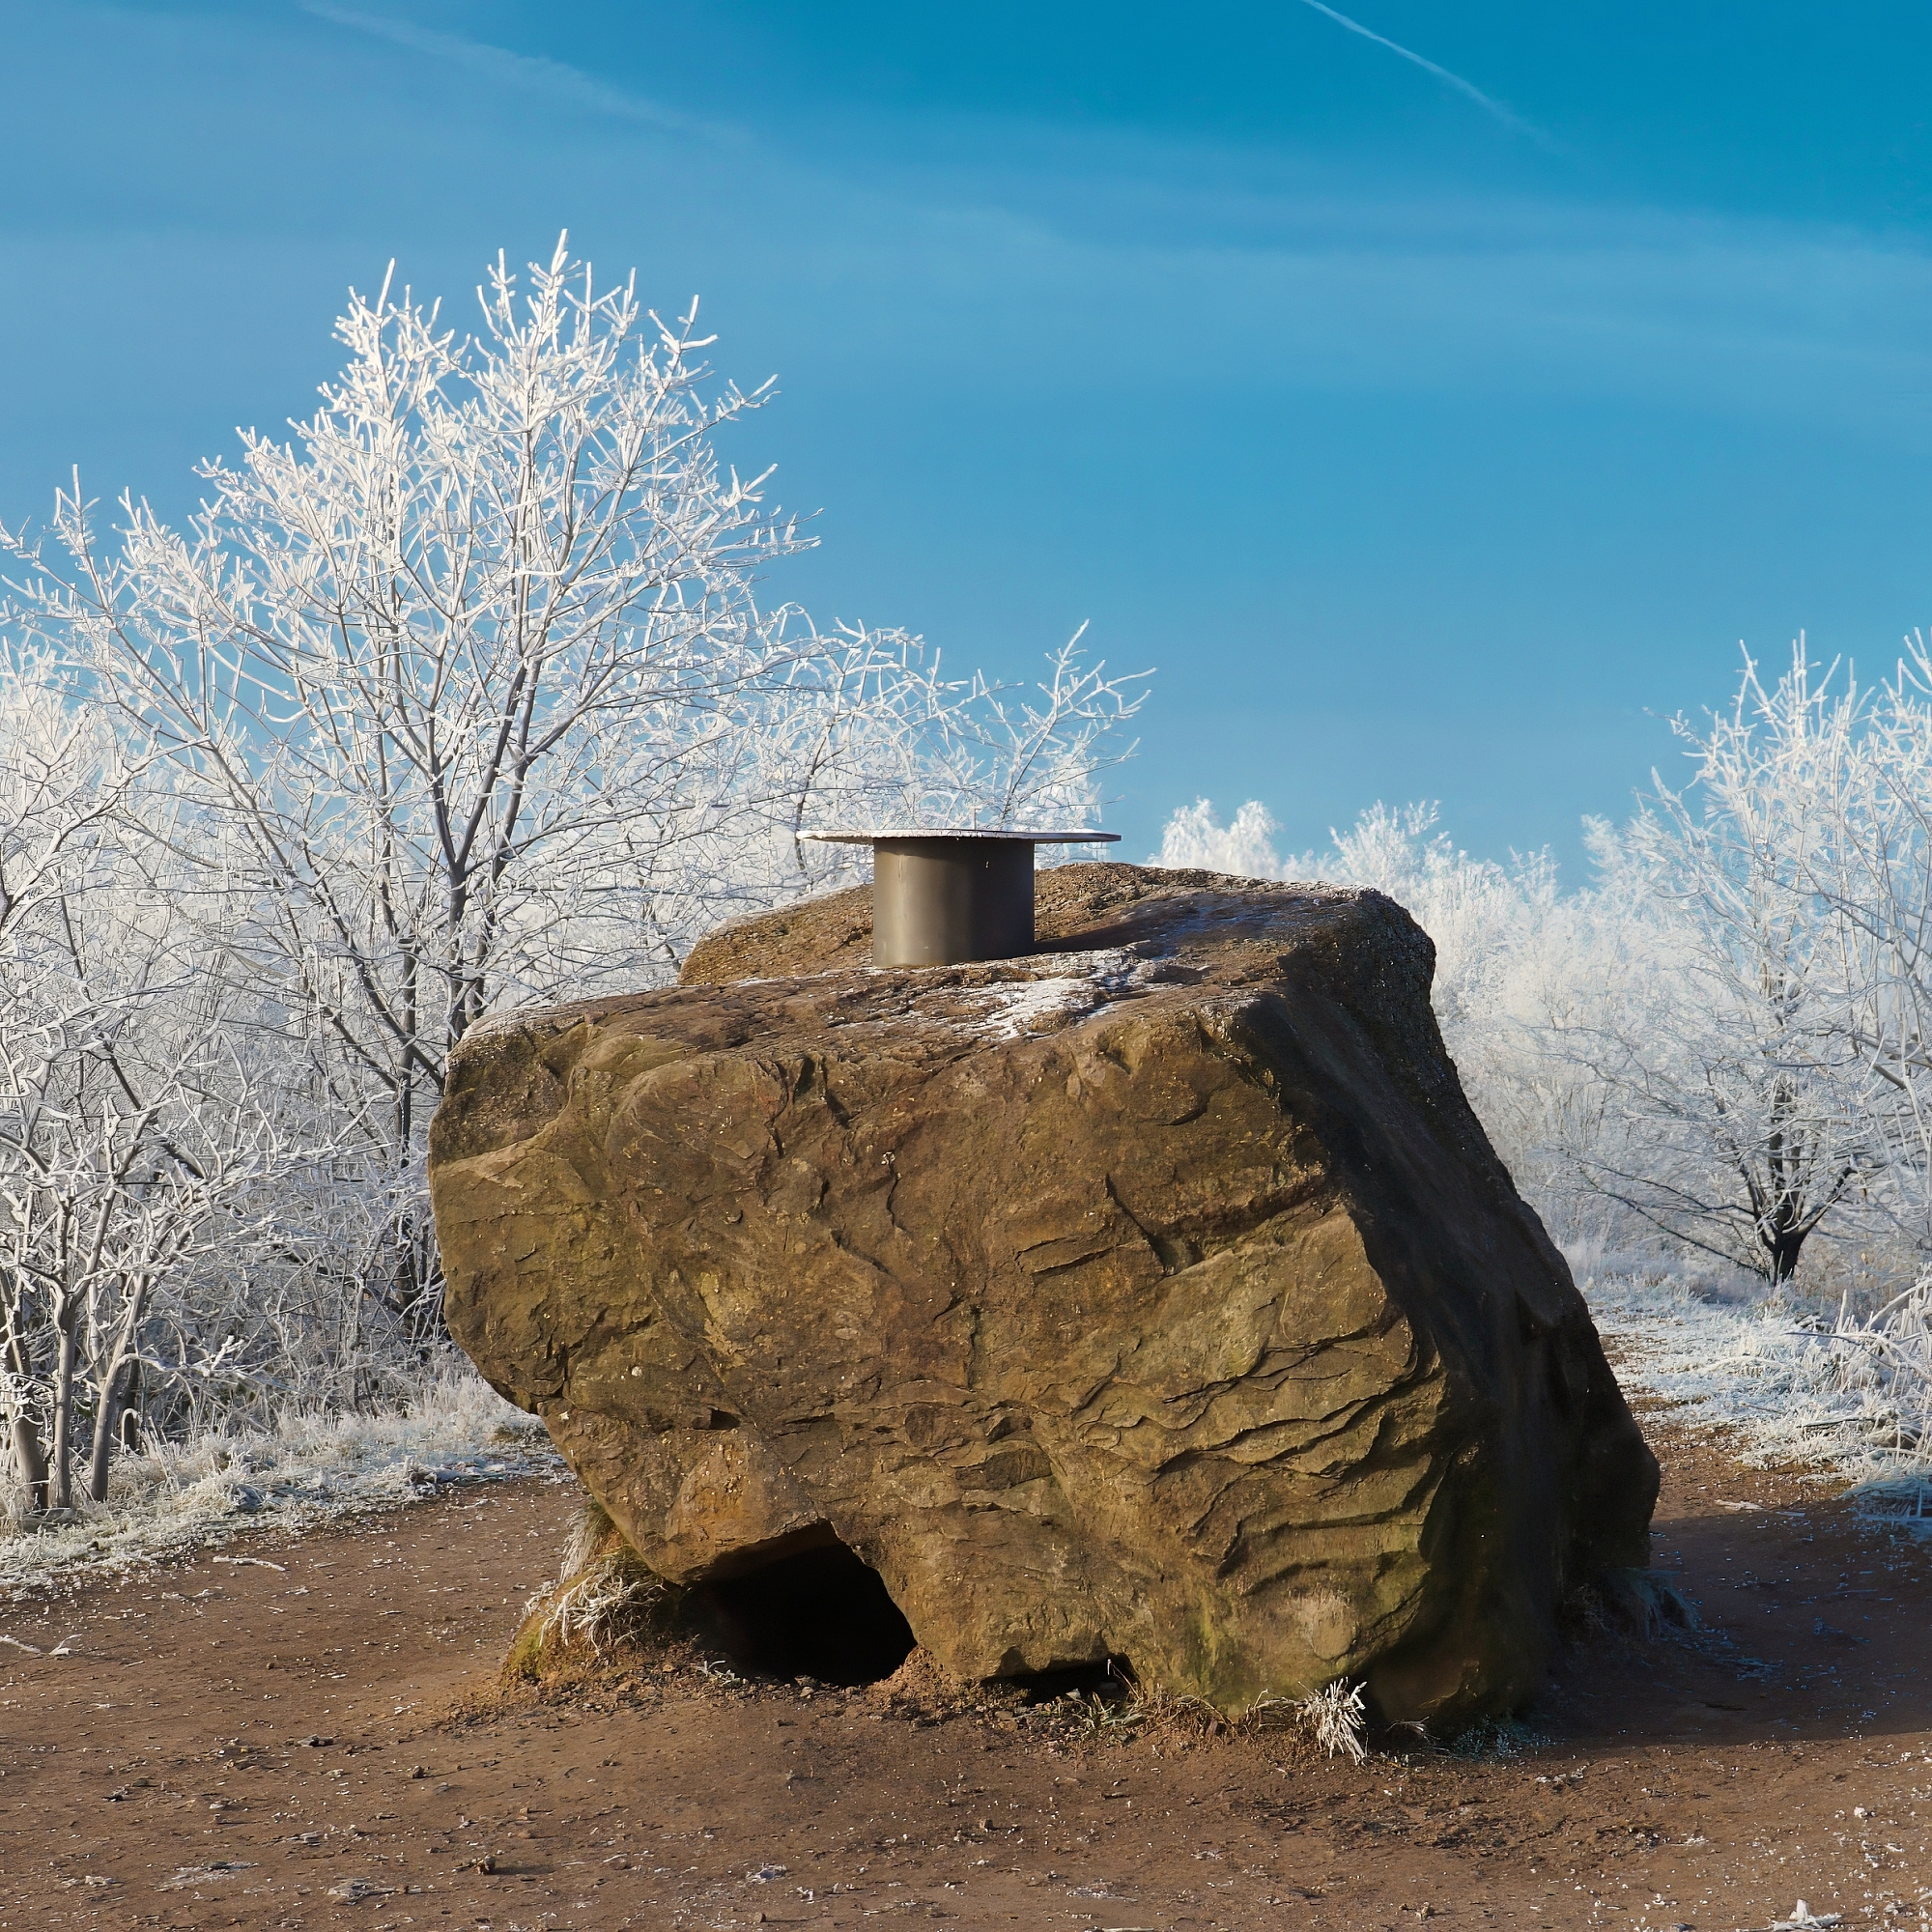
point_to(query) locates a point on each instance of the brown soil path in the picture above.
(223, 1744)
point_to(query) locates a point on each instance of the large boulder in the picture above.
(1156, 1295)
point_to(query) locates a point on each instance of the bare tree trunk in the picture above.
(352, 1345)
(64, 1381)
(130, 1411)
(106, 1416)
(1784, 1248)
(30, 1460)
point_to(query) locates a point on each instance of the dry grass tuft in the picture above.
(1331, 1720)
(608, 1599)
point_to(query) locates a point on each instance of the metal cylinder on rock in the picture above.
(940, 901)
(954, 893)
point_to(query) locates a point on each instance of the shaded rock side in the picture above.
(1157, 1294)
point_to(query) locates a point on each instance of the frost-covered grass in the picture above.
(1334, 1714)
(1794, 1384)
(312, 1468)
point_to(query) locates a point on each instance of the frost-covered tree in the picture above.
(1870, 862)
(1745, 1109)
(136, 1155)
(61, 779)
(468, 691)
(474, 665)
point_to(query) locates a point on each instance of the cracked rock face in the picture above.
(1156, 1295)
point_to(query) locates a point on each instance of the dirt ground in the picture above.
(319, 1744)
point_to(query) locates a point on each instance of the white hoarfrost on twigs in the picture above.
(1335, 1717)
(460, 695)
(1850, 1397)
(203, 1494)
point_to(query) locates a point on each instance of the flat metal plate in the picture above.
(1064, 838)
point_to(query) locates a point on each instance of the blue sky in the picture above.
(1431, 439)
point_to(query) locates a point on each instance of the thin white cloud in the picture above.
(1015, 256)
(1486, 101)
(533, 73)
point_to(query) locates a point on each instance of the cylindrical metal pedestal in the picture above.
(956, 892)
(941, 901)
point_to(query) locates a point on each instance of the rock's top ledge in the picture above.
(1107, 934)
(1095, 907)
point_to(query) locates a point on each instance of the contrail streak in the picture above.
(532, 72)
(1485, 102)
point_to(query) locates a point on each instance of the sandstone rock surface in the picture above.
(1156, 1295)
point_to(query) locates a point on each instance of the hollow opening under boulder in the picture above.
(821, 1613)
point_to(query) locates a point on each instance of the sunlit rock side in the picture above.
(1155, 1295)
